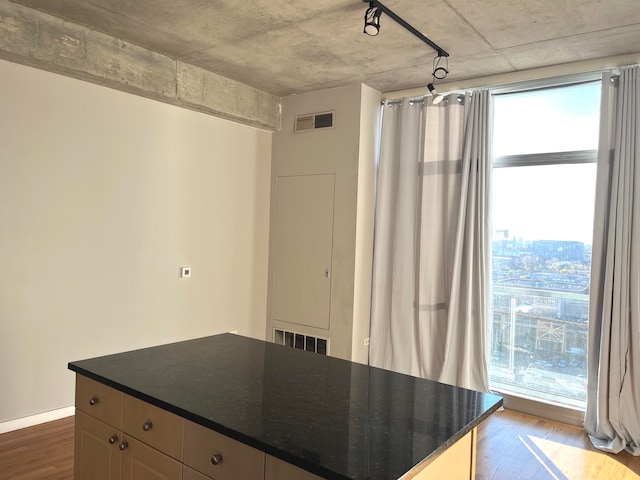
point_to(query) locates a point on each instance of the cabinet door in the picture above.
(97, 456)
(141, 462)
(303, 249)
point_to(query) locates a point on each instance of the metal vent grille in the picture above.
(301, 341)
(323, 120)
(313, 121)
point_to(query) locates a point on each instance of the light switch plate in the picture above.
(185, 272)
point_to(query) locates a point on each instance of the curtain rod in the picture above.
(587, 66)
(529, 86)
(398, 101)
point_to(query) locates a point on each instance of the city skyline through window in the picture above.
(543, 198)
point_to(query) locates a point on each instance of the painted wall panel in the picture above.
(103, 196)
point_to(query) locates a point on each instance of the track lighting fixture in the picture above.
(372, 20)
(438, 73)
(372, 27)
(372, 24)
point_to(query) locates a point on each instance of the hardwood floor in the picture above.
(41, 452)
(511, 446)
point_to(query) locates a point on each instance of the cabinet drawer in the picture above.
(234, 460)
(99, 401)
(154, 426)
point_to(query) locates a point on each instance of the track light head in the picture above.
(436, 98)
(372, 19)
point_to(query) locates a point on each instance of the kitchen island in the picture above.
(231, 407)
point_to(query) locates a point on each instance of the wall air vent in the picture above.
(313, 121)
(301, 341)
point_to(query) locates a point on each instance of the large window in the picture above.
(544, 145)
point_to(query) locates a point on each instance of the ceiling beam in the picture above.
(46, 42)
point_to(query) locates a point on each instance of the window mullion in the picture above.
(551, 158)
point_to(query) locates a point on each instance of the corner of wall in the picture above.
(367, 163)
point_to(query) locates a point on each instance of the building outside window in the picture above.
(544, 144)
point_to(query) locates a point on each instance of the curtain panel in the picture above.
(613, 389)
(431, 300)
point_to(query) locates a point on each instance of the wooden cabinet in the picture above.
(119, 437)
(141, 462)
(220, 457)
(154, 426)
(191, 474)
(99, 401)
(455, 463)
(115, 433)
(97, 456)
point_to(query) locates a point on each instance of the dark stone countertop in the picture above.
(337, 419)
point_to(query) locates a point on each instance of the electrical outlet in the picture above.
(235, 332)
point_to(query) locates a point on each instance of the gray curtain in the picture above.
(431, 299)
(395, 238)
(613, 391)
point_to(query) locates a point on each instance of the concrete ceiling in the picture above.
(285, 47)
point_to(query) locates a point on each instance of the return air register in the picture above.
(313, 121)
(301, 341)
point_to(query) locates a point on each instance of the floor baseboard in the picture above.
(37, 419)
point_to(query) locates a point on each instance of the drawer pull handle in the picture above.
(146, 426)
(113, 439)
(93, 400)
(216, 459)
(123, 445)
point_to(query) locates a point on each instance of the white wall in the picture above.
(103, 196)
(346, 150)
(363, 269)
